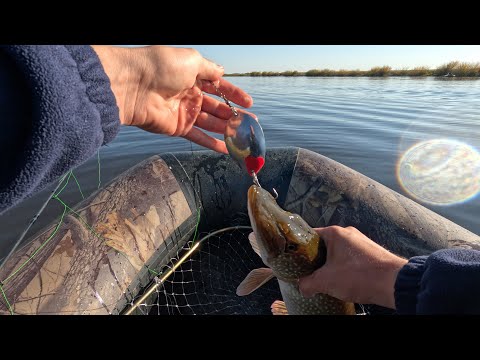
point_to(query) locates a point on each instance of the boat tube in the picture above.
(104, 253)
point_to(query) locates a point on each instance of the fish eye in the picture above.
(292, 247)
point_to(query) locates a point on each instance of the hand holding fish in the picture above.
(356, 269)
(160, 89)
(291, 249)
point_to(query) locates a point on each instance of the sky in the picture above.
(246, 58)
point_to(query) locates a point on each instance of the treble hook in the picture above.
(276, 194)
(255, 182)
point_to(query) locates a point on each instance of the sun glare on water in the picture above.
(440, 171)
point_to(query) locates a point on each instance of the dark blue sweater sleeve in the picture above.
(56, 110)
(446, 282)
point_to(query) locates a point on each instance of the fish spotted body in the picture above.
(291, 249)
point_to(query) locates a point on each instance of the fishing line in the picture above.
(32, 221)
(99, 175)
(62, 184)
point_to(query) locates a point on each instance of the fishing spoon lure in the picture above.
(244, 139)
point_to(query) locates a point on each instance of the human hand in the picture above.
(159, 89)
(356, 270)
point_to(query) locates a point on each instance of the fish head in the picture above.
(287, 244)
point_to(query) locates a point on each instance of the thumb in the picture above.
(210, 71)
(313, 283)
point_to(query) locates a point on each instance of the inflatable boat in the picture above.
(128, 236)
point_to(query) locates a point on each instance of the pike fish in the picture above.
(291, 249)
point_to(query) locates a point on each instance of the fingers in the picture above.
(220, 109)
(215, 114)
(209, 70)
(216, 108)
(199, 137)
(313, 283)
(232, 92)
(211, 123)
(330, 232)
(319, 230)
(318, 281)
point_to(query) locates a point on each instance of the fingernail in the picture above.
(248, 99)
(220, 66)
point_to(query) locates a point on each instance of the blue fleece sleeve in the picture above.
(446, 282)
(56, 110)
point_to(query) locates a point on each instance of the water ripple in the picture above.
(364, 123)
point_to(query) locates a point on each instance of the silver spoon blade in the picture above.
(246, 142)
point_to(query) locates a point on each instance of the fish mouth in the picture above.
(264, 218)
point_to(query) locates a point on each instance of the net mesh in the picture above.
(206, 282)
(55, 197)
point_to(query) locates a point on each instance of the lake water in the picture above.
(367, 124)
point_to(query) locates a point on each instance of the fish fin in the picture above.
(279, 308)
(253, 241)
(254, 280)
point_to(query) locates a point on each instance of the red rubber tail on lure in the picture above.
(254, 164)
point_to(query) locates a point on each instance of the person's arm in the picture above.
(446, 282)
(359, 270)
(59, 104)
(56, 110)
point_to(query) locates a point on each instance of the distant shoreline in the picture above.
(451, 69)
